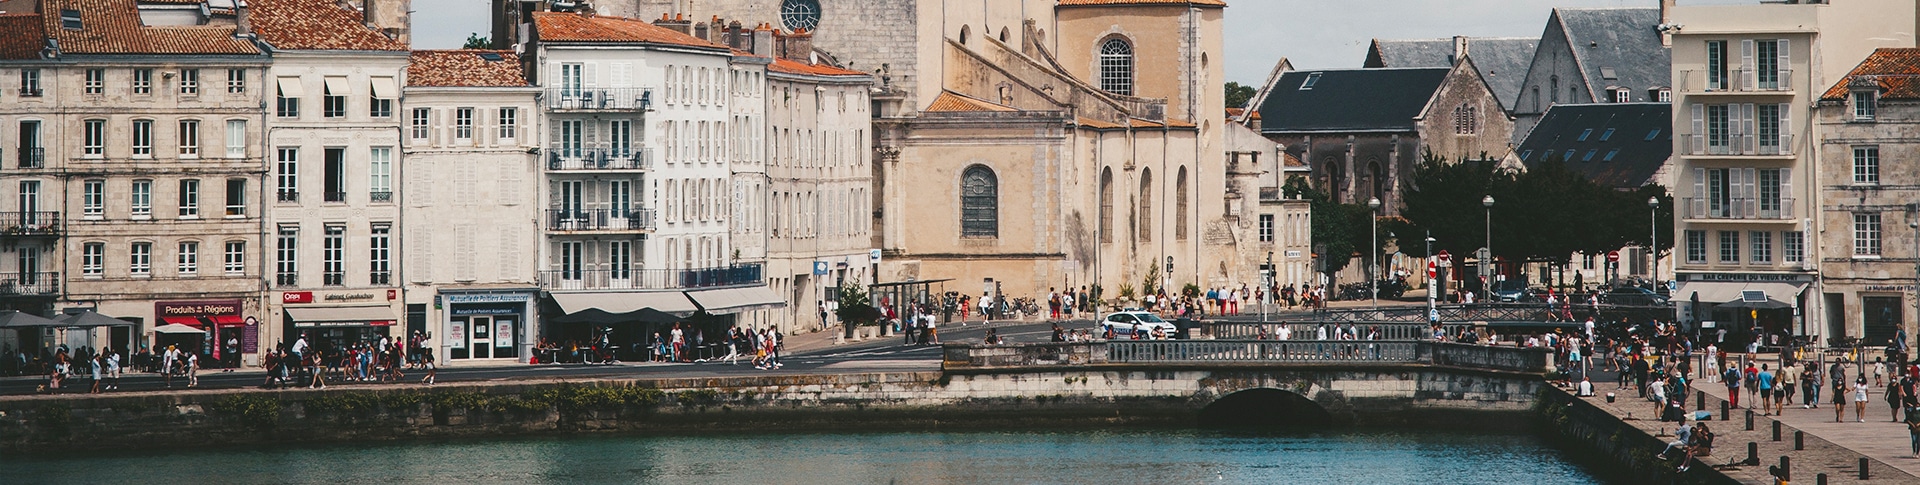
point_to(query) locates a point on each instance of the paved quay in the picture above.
(1834, 449)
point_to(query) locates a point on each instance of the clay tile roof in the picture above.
(465, 68)
(1102, 3)
(1096, 124)
(1291, 161)
(316, 25)
(573, 27)
(1236, 112)
(796, 67)
(1140, 123)
(952, 101)
(20, 36)
(113, 27)
(1895, 70)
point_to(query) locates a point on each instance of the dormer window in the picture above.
(69, 19)
(1864, 105)
(1622, 96)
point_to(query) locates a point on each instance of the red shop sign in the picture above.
(296, 297)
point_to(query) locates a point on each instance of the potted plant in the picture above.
(855, 310)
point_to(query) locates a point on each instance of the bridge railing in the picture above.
(974, 356)
(1302, 331)
(1497, 312)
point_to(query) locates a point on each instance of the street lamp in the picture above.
(1487, 262)
(1653, 227)
(1373, 252)
(1433, 315)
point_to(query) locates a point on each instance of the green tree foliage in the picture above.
(1339, 230)
(855, 309)
(1238, 95)
(475, 41)
(1547, 213)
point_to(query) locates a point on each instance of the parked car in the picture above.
(1510, 291)
(1632, 295)
(1128, 322)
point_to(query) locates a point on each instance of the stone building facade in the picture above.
(819, 179)
(1868, 187)
(1595, 55)
(134, 163)
(471, 205)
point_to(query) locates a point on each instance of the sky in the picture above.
(1312, 34)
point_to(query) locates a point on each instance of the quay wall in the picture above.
(980, 398)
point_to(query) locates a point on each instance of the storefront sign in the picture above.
(488, 298)
(197, 308)
(495, 309)
(349, 296)
(1887, 288)
(250, 337)
(1744, 277)
(296, 297)
(503, 333)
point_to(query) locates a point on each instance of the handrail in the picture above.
(1314, 352)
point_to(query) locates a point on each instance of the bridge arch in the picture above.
(1266, 407)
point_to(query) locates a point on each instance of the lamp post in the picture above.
(1653, 249)
(1487, 262)
(1373, 251)
(1433, 314)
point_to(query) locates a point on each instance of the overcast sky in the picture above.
(1312, 34)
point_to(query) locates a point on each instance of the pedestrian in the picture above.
(113, 370)
(1765, 381)
(95, 364)
(1732, 381)
(1894, 399)
(1788, 380)
(193, 369)
(1810, 386)
(426, 359)
(1860, 399)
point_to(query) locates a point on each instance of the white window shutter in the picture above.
(421, 264)
(1782, 65)
(1786, 128)
(1699, 191)
(463, 252)
(589, 78)
(1786, 193)
(1699, 119)
(1751, 116)
(1746, 64)
(1751, 194)
(509, 251)
(510, 179)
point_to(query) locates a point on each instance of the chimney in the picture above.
(798, 46)
(242, 25)
(1459, 48)
(678, 23)
(700, 30)
(1666, 9)
(761, 44)
(734, 34)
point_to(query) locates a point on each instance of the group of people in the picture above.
(104, 367)
(764, 345)
(373, 360)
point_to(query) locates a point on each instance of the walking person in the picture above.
(426, 360)
(1787, 381)
(1810, 386)
(1894, 399)
(193, 369)
(95, 363)
(1732, 381)
(1860, 399)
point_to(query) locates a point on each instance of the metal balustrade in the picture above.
(650, 279)
(31, 283)
(1490, 312)
(26, 224)
(1261, 351)
(1741, 208)
(1134, 353)
(1305, 331)
(565, 158)
(635, 218)
(1737, 144)
(1745, 80)
(595, 99)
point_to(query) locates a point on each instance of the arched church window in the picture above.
(800, 14)
(1116, 67)
(1106, 205)
(979, 203)
(1180, 205)
(1465, 120)
(1146, 206)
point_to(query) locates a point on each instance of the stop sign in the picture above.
(1613, 256)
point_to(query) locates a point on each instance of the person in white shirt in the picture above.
(1286, 332)
(113, 371)
(193, 365)
(1585, 389)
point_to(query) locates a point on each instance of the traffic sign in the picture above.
(1444, 257)
(1613, 256)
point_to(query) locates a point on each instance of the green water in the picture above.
(1023, 457)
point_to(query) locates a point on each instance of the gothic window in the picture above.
(1465, 120)
(979, 203)
(1106, 205)
(800, 14)
(1116, 67)
(1146, 206)
(1180, 205)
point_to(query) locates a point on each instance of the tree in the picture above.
(1339, 230)
(1238, 95)
(855, 309)
(475, 41)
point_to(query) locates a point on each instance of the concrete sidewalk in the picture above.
(1878, 438)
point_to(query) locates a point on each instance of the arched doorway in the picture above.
(1265, 407)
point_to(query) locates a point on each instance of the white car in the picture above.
(1128, 322)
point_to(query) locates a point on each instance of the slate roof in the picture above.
(1503, 61)
(114, 27)
(952, 101)
(20, 36)
(464, 68)
(1350, 99)
(1101, 3)
(1894, 69)
(315, 25)
(1624, 158)
(575, 27)
(1620, 40)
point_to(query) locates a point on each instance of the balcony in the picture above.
(379, 278)
(635, 218)
(380, 197)
(30, 91)
(30, 284)
(598, 99)
(336, 197)
(29, 224)
(286, 280)
(289, 195)
(33, 157)
(1733, 145)
(1740, 208)
(598, 158)
(650, 279)
(1737, 81)
(333, 278)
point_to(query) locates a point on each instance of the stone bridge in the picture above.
(1266, 381)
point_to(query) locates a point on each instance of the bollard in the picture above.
(1700, 400)
(1776, 431)
(1786, 469)
(1753, 453)
(1749, 420)
(1723, 411)
(1799, 440)
(1863, 468)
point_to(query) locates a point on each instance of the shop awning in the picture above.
(92, 319)
(1718, 292)
(341, 316)
(735, 300)
(674, 302)
(383, 88)
(337, 86)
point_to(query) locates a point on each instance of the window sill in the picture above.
(240, 216)
(1866, 257)
(184, 156)
(141, 218)
(93, 277)
(93, 156)
(92, 218)
(141, 157)
(189, 218)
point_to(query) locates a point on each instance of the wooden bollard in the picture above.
(1799, 440)
(1863, 468)
(1786, 469)
(1699, 400)
(1753, 453)
(1776, 431)
(1723, 411)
